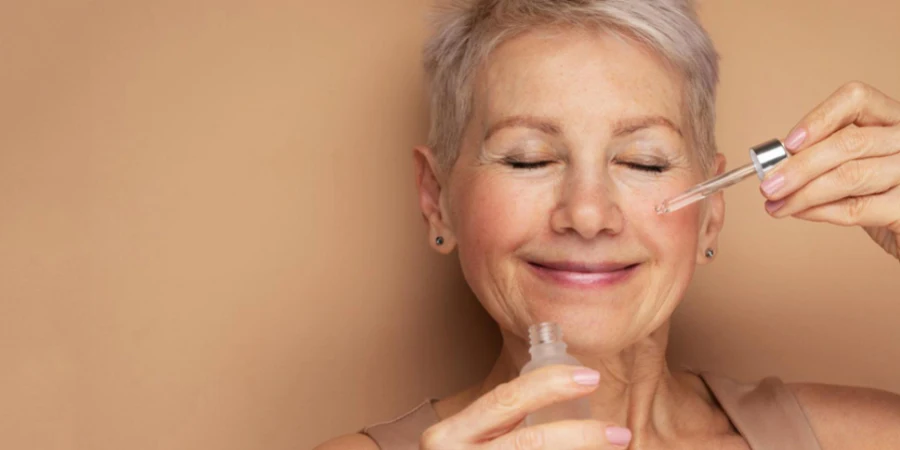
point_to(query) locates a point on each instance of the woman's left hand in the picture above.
(845, 167)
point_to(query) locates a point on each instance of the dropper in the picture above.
(763, 156)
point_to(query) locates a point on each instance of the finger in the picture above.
(846, 145)
(506, 405)
(565, 435)
(856, 178)
(854, 103)
(881, 210)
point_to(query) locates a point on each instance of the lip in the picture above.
(582, 274)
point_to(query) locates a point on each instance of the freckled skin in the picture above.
(586, 204)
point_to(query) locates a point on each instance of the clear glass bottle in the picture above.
(548, 348)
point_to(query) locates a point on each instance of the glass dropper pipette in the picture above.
(764, 157)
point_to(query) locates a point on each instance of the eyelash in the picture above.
(521, 165)
(527, 165)
(646, 168)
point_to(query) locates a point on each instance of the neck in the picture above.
(636, 390)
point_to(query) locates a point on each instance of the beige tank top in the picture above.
(766, 414)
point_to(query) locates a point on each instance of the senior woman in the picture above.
(557, 126)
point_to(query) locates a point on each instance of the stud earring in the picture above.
(439, 240)
(710, 253)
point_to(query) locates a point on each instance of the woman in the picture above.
(557, 127)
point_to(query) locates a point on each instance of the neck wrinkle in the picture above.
(637, 390)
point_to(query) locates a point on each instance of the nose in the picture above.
(587, 206)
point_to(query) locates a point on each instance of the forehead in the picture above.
(577, 75)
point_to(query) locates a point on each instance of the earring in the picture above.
(710, 253)
(439, 240)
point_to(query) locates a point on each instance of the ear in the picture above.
(430, 189)
(713, 218)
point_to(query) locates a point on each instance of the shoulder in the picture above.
(349, 442)
(850, 417)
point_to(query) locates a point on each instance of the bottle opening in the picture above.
(544, 333)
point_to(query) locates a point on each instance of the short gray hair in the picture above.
(466, 31)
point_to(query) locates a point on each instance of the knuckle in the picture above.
(817, 118)
(892, 138)
(432, 437)
(856, 207)
(856, 90)
(854, 141)
(529, 439)
(854, 176)
(506, 396)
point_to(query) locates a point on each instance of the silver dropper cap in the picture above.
(766, 155)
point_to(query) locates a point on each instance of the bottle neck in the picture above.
(547, 350)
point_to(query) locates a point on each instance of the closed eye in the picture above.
(645, 167)
(526, 165)
(531, 165)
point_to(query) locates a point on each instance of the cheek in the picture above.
(494, 215)
(671, 236)
(492, 218)
(675, 234)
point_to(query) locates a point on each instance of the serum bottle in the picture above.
(548, 348)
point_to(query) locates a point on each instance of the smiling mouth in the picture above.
(574, 274)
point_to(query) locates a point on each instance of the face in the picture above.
(575, 137)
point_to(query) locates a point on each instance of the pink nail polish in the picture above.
(771, 207)
(618, 436)
(587, 377)
(795, 139)
(772, 184)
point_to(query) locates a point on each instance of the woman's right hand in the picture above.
(491, 422)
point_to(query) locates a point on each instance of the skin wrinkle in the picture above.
(585, 205)
(657, 27)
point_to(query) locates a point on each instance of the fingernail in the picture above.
(618, 436)
(772, 184)
(771, 206)
(587, 377)
(795, 139)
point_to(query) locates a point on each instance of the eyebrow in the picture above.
(631, 125)
(544, 125)
(620, 128)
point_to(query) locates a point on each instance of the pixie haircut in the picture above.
(465, 32)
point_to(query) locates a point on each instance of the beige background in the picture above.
(209, 238)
